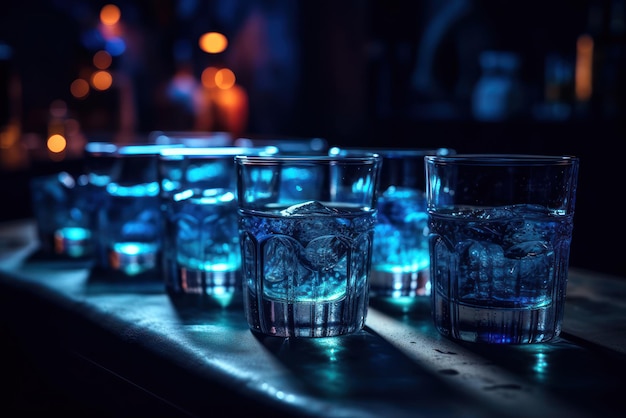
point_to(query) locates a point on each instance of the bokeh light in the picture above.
(115, 46)
(213, 42)
(56, 143)
(224, 78)
(110, 14)
(79, 88)
(584, 67)
(101, 80)
(102, 60)
(208, 77)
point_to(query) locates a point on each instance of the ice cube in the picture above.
(311, 207)
(282, 263)
(323, 253)
(481, 268)
(527, 249)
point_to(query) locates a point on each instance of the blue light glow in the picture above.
(115, 46)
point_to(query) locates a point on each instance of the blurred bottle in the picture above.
(606, 29)
(613, 72)
(12, 154)
(497, 95)
(5, 83)
(559, 91)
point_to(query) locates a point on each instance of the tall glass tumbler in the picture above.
(129, 235)
(102, 166)
(201, 254)
(307, 245)
(400, 261)
(501, 229)
(62, 207)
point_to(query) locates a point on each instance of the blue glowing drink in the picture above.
(306, 242)
(499, 274)
(201, 251)
(202, 255)
(63, 208)
(130, 229)
(305, 268)
(400, 260)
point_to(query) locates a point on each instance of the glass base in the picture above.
(69, 242)
(133, 258)
(73, 241)
(384, 284)
(306, 319)
(199, 287)
(486, 324)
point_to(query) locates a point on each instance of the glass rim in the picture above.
(502, 159)
(101, 147)
(392, 152)
(140, 150)
(271, 160)
(221, 151)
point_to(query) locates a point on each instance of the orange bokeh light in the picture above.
(584, 68)
(56, 143)
(225, 78)
(101, 80)
(79, 88)
(110, 14)
(232, 108)
(102, 60)
(222, 78)
(208, 77)
(213, 42)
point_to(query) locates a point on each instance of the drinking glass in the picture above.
(201, 254)
(400, 260)
(129, 235)
(501, 229)
(306, 245)
(62, 210)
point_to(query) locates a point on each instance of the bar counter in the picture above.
(109, 348)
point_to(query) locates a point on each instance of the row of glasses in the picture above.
(310, 235)
(498, 230)
(200, 253)
(111, 213)
(65, 204)
(400, 257)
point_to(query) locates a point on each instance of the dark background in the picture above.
(379, 73)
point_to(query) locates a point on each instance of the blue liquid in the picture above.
(73, 241)
(202, 255)
(306, 275)
(499, 275)
(129, 229)
(133, 258)
(400, 261)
